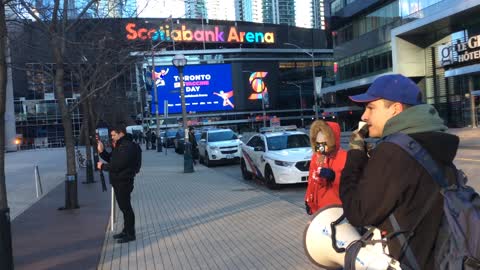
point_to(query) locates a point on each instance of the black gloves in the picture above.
(308, 209)
(327, 174)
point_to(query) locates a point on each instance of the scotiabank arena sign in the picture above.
(198, 33)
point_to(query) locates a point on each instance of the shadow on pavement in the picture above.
(46, 238)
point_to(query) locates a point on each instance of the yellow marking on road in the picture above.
(468, 159)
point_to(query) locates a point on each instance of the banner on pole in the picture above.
(318, 86)
(165, 108)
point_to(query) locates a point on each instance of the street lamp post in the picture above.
(264, 117)
(154, 87)
(179, 61)
(301, 103)
(313, 74)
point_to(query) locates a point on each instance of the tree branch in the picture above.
(84, 10)
(91, 92)
(38, 19)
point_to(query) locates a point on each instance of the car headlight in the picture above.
(213, 147)
(284, 163)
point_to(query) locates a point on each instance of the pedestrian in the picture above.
(387, 180)
(153, 139)
(135, 136)
(148, 135)
(193, 143)
(326, 165)
(122, 169)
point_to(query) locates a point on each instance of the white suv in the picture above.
(277, 158)
(218, 145)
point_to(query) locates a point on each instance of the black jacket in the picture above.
(392, 181)
(192, 139)
(121, 161)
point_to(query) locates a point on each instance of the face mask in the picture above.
(321, 147)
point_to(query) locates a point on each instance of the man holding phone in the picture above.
(122, 169)
(387, 180)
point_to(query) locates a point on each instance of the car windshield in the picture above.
(287, 141)
(171, 133)
(221, 136)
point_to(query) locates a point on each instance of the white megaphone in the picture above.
(329, 234)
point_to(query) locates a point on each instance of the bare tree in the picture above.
(6, 258)
(98, 70)
(57, 28)
(54, 21)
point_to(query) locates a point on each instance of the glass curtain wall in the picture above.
(408, 7)
(364, 24)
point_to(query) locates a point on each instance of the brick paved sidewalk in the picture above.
(205, 220)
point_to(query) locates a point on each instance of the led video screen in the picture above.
(207, 88)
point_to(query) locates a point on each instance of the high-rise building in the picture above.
(249, 10)
(106, 9)
(257, 14)
(161, 8)
(195, 9)
(279, 11)
(220, 9)
(318, 14)
(210, 9)
(304, 14)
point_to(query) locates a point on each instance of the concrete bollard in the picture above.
(187, 158)
(112, 213)
(38, 182)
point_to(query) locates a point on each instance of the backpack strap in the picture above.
(405, 248)
(414, 149)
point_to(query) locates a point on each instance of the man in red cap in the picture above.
(387, 182)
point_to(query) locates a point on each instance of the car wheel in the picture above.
(206, 160)
(270, 179)
(245, 173)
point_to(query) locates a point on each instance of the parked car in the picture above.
(277, 158)
(217, 145)
(170, 135)
(179, 141)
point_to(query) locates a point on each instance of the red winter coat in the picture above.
(318, 195)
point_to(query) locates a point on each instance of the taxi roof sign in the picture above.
(278, 129)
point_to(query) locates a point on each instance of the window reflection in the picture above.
(408, 7)
(374, 20)
(385, 15)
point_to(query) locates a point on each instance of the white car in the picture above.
(218, 145)
(277, 158)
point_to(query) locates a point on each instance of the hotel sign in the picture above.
(460, 52)
(198, 33)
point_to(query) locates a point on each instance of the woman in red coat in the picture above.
(326, 165)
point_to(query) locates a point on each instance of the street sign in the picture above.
(274, 121)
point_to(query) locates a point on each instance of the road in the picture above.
(467, 159)
(290, 193)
